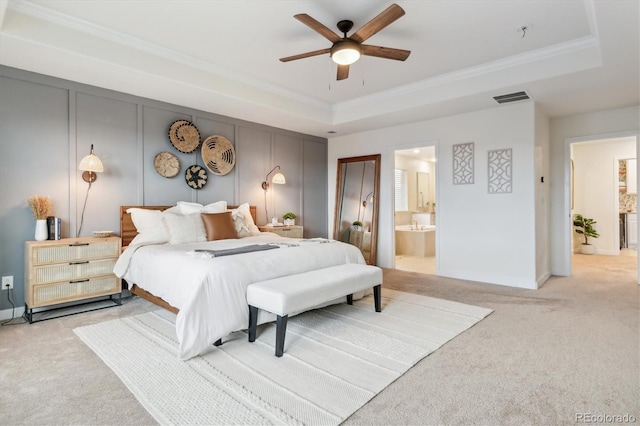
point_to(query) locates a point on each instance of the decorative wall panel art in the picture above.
(463, 163)
(500, 173)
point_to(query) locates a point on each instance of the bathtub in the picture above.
(416, 241)
(419, 228)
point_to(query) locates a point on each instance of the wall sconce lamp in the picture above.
(279, 179)
(90, 165)
(367, 199)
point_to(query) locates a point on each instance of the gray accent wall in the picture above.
(47, 125)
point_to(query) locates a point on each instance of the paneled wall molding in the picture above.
(46, 120)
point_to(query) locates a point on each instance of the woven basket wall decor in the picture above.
(218, 155)
(184, 136)
(196, 177)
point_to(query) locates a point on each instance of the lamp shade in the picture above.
(91, 163)
(279, 179)
(345, 52)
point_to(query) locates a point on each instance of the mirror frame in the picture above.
(342, 163)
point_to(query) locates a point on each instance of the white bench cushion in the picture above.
(297, 293)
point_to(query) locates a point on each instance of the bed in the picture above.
(206, 290)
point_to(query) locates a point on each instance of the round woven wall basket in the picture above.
(218, 155)
(184, 136)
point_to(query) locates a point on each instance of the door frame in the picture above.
(392, 154)
(567, 233)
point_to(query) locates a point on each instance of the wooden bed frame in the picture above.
(128, 232)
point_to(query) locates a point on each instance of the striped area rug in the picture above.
(336, 359)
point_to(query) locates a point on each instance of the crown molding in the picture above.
(537, 55)
(40, 12)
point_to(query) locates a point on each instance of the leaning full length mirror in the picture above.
(357, 194)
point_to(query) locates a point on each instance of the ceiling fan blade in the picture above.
(305, 55)
(385, 18)
(343, 72)
(385, 52)
(317, 27)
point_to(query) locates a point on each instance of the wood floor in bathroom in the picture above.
(423, 265)
(427, 265)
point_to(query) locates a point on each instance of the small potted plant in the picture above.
(289, 219)
(357, 225)
(584, 227)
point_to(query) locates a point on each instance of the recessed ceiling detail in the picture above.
(582, 56)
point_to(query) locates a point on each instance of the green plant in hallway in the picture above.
(584, 226)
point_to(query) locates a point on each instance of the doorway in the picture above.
(415, 215)
(603, 187)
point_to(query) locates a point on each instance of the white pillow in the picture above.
(185, 228)
(243, 221)
(150, 226)
(185, 207)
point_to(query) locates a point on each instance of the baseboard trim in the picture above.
(543, 279)
(6, 314)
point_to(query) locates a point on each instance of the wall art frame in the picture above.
(500, 171)
(463, 163)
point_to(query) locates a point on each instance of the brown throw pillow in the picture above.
(219, 226)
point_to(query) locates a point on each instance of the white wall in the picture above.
(595, 187)
(481, 237)
(623, 120)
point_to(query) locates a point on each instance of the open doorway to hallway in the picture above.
(604, 188)
(415, 210)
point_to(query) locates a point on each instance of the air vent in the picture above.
(511, 97)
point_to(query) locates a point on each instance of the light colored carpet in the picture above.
(336, 359)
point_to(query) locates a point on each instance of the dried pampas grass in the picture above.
(41, 206)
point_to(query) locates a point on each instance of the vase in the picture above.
(290, 222)
(587, 249)
(42, 233)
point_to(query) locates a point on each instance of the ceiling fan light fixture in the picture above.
(345, 52)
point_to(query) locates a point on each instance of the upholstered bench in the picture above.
(298, 293)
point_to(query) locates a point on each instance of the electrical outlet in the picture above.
(7, 282)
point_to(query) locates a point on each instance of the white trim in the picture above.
(616, 202)
(5, 314)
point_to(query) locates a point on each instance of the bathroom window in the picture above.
(402, 192)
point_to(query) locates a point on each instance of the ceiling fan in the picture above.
(347, 50)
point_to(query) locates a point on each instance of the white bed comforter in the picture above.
(210, 292)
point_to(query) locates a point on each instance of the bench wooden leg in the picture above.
(350, 299)
(376, 297)
(253, 323)
(281, 330)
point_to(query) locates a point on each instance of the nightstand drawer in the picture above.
(72, 270)
(56, 251)
(293, 231)
(50, 294)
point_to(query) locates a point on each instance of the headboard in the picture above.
(128, 230)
